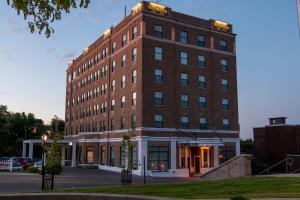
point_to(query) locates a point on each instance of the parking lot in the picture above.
(70, 178)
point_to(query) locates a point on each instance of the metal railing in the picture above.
(288, 166)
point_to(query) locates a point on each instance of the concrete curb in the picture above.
(19, 174)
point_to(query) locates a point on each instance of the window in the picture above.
(184, 122)
(114, 47)
(134, 32)
(134, 54)
(158, 31)
(124, 40)
(112, 124)
(226, 124)
(203, 123)
(224, 65)
(158, 121)
(133, 74)
(224, 84)
(184, 101)
(90, 156)
(223, 45)
(202, 82)
(123, 81)
(113, 66)
(123, 102)
(183, 79)
(122, 123)
(158, 98)
(202, 102)
(201, 40)
(183, 37)
(225, 104)
(183, 58)
(158, 158)
(133, 103)
(102, 153)
(134, 158)
(133, 121)
(113, 85)
(158, 53)
(113, 103)
(123, 60)
(158, 76)
(201, 61)
(111, 155)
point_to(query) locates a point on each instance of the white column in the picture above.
(179, 157)
(216, 156)
(186, 157)
(74, 145)
(238, 147)
(63, 156)
(173, 153)
(24, 153)
(142, 152)
(30, 155)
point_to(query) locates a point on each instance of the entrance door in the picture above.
(197, 164)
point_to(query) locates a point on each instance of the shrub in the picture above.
(57, 169)
(32, 170)
(239, 198)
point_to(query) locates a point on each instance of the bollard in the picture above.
(11, 165)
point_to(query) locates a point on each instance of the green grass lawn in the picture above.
(259, 187)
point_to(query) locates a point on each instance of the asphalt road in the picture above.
(70, 178)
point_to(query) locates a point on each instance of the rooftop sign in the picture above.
(221, 25)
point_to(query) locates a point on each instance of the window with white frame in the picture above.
(123, 63)
(184, 79)
(158, 98)
(158, 31)
(224, 84)
(226, 124)
(123, 102)
(158, 76)
(184, 122)
(133, 102)
(183, 37)
(123, 80)
(203, 123)
(201, 40)
(158, 120)
(202, 102)
(202, 82)
(225, 104)
(134, 54)
(184, 101)
(134, 32)
(158, 53)
(113, 85)
(201, 61)
(133, 74)
(113, 104)
(183, 58)
(224, 65)
(124, 39)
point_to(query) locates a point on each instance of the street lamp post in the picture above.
(44, 139)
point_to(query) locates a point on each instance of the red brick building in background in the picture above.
(166, 78)
(277, 141)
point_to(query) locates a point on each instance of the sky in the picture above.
(33, 68)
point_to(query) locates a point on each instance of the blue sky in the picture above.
(32, 68)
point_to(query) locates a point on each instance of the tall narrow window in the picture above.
(134, 54)
(111, 155)
(184, 101)
(203, 123)
(226, 124)
(124, 40)
(113, 66)
(123, 81)
(123, 63)
(133, 121)
(202, 82)
(202, 102)
(114, 47)
(158, 31)
(184, 122)
(112, 124)
(134, 32)
(225, 104)
(113, 104)
(122, 126)
(223, 45)
(183, 79)
(158, 53)
(224, 84)
(133, 73)
(183, 58)
(201, 61)
(123, 102)
(158, 98)
(183, 37)
(133, 102)
(201, 40)
(158, 121)
(113, 85)
(224, 65)
(158, 76)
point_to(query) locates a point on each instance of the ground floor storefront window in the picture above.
(90, 155)
(112, 156)
(158, 158)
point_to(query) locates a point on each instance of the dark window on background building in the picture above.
(102, 153)
(158, 31)
(224, 84)
(158, 98)
(158, 158)
(184, 101)
(201, 61)
(202, 82)
(183, 79)
(122, 126)
(225, 104)
(224, 65)
(158, 121)
(184, 122)
(226, 124)
(133, 121)
(122, 157)
(134, 158)
(158, 53)
(158, 76)
(183, 37)
(201, 40)
(112, 124)
(203, 123)
(111, 155)
(223, 45)
(202, 102)
(183, 58)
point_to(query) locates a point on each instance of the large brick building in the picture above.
(167, 78)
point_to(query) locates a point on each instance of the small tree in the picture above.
(126, 149)
(53, 160)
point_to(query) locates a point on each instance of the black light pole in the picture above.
(44, 139)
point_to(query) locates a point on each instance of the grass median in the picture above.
(250, 187)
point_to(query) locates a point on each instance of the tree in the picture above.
(247, 146)
(126, 149)
(57, 125)
(43, 12)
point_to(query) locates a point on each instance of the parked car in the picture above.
(24, 162)
(38, 164)
(16, 166)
